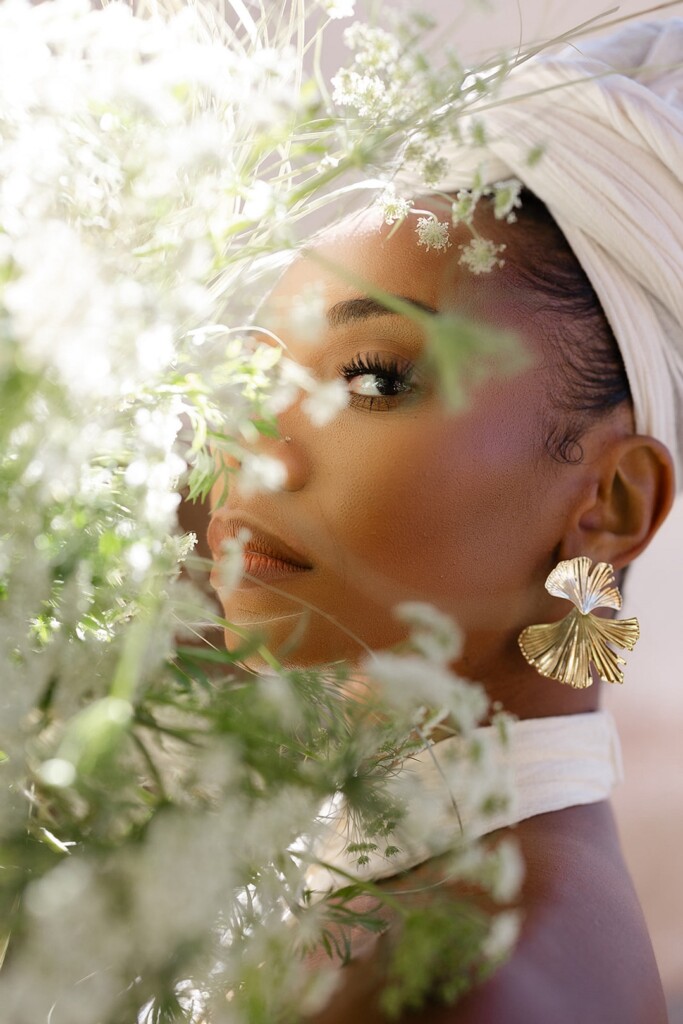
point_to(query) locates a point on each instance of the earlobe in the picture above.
(635, 491)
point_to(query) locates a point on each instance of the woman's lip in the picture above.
(263, 566)
(273, 549)
(261, 545)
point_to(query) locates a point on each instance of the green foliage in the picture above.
(437, 955)
(465, 353)
(160, 806)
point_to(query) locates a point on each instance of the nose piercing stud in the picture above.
(286, 439)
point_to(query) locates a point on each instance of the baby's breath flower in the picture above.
(362, 92)
(139, 558)
(416, 149)
(432, 233)
(502, 935)
(149, 167)
(259, 200)
(480, 255)
(433, 634)
(231, 565)
(412, 683)
(506, 199)
(393, 207)
(508, 871)
(296, 374)
(464, 205)
(336, 9)
(328, 163)
(434, 168)
(324, 398)
(477, 130)
(324, 401)
(374, 47)
(261, 473)
(306, 315)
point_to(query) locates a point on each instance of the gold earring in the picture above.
(564, 650)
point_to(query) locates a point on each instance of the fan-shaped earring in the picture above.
(565, 650)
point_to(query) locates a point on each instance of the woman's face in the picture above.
(398, 498)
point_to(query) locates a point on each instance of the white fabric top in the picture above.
(552, 763)
(608, 115)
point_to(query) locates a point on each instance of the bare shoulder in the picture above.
(584, 956)
(584, 953)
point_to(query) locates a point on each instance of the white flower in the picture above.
(425, 809)
(502, 936)
(464, 205)
(306, 316)
(139, 557)
(148, 165)
(136, 473)
(296, 374)
(338, 8)
(393, 207)
(411, 683)
(480, 255)
(363, 92)
(155, 348)
(261, 473)
(432, 233)
(508, 871)
(231, 564)
(374, 48)
(328, 163)
(259, 200)
(434, 167)
(506, 199)
(69, 328)
(433, 633)
(57, 772)
(159, 428)
(324, 401)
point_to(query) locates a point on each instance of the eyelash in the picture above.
(389, 368)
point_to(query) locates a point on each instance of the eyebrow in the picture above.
(365, 308)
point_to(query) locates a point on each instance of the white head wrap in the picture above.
(609, 116)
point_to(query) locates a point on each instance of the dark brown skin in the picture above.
(468, 511)
(584, 954)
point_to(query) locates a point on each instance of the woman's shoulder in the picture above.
(584, 954)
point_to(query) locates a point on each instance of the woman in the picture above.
(575, 454)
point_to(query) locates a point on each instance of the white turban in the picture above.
(611, 174)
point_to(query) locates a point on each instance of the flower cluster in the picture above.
(481, 255)
(432, 233)
(153, 169)
(394, 207)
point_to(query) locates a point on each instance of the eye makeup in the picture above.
(380, 380)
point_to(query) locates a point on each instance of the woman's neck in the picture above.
(512, 683)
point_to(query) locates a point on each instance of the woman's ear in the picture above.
(633, 495)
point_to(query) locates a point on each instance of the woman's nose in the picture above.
(288, 449)
(291, 453)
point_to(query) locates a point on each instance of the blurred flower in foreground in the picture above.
(158, 167)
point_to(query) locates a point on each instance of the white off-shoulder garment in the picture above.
(551, 763)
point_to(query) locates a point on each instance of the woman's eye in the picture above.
(378, 382)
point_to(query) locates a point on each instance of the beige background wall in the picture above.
(649, 708)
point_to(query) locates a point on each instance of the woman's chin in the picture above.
(291, 643)
(304, 637)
